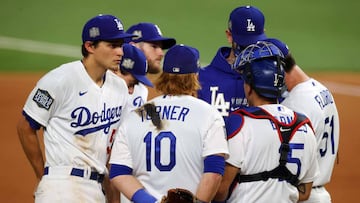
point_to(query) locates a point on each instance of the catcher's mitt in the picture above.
(179, 195)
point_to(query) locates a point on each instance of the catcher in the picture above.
(272, 148)
(174, 141)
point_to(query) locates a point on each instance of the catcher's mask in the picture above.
(261, 66)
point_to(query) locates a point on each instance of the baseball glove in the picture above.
(179, 195)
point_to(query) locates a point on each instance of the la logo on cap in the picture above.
(158, 30)
(119, 25)
(250, 26)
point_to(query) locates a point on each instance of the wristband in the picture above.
(141, 196)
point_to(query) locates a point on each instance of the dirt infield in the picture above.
(18, 180)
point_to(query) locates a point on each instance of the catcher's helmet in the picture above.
(262, 49)
(261, 66)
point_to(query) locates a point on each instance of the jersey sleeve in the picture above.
(120, 153)
(236, 139)
(313, 166)
(215, 139)
(43, 100)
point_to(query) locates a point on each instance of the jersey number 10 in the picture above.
(159, 141)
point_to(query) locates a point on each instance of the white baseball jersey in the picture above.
(80, 118)
(315, 101)
(255, 148)
(173, 156)
(139, 96)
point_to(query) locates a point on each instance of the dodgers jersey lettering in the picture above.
(316, 101)
(221, 86)
(76, 133)
(254, 147)
(139, 96)
(187, 137)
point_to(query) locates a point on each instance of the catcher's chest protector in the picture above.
(286, 131)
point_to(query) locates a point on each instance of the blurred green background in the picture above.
(323, 35)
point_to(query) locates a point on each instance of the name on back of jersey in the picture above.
(324, 98)
(170, 112)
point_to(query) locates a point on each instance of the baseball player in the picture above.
(133, 69)
(222, 87)
(150, 40)
(312, 98)
(168, 142)
(272, 148)
(79, 106)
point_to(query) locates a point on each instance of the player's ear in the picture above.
(247, 89)
(229, 36)
(89, 46)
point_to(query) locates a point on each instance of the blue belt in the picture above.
(80, 173)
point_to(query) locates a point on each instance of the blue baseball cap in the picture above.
(134, 62)
(246, 24)
(149, 32)
(281, 45)
(181, 59)
(104, 27)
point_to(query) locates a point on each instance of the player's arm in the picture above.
(111, 193)
(123, 180)
(304, 191)
(210, 181)
(228, 178)
(27, 132)
(313, 171)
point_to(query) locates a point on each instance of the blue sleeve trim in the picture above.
(33, 124)
(117, 170)
(214, 164)
(141, 196)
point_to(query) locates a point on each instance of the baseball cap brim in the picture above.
(119, 36)
(144, 80)
(166, 42)
(245, 40)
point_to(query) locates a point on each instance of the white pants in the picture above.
(60, 187)
(319, 195)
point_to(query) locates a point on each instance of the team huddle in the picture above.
(251, 126)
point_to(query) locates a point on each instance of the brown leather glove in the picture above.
(179, 195)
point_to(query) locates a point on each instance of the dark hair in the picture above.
(237, 48)
(289, 62)
(149, 109)
(84, 52)
(124, 72)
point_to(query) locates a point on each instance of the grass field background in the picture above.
(323, 35)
